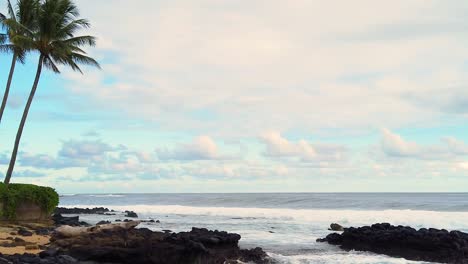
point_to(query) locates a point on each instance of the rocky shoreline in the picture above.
(115, 244)
(433, 245)
(69, 240)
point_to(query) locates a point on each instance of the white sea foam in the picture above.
(287, 234)
(341, 257)
(106, 195)
(415, 218)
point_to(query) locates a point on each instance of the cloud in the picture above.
(394, 145)
(456, 146)
(4, 159)
(279, 147)
(44, 161)
(238, 63)
(201, 148)
(83, 149)
(73, 153)
(29, 174)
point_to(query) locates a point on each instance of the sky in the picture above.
(252, 96)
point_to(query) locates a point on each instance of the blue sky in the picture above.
(252, 96)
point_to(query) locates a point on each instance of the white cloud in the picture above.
(201, 148)
(456, 146)
(279, 147)
(395, 145)
(449, 148)
(315, 67)
(84, 148)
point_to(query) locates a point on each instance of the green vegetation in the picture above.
(11, 195)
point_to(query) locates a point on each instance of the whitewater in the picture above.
(286, 225)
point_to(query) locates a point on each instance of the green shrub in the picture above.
(46, 197)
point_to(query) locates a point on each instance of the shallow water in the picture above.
(287, 225)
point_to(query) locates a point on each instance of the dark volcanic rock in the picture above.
(34, 259)
(103, 222)
(96, 210)
(24, 232)
(336, 227)
(131, 214)
(71, 221)
(42, 231)
(406, 242)
(145, 246)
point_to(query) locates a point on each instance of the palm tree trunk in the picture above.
(7, 89)
(23, 121)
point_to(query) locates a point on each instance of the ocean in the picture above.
(286, 225)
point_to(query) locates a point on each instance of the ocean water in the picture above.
(286, 225)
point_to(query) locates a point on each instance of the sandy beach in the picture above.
(13, 243)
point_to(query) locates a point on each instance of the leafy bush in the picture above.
(46, 197)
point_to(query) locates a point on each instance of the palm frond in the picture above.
(11, 11)
(26, 13)
(23, 42)
(81, 41)
(3, 38)
(71, 27)
(85, 60)
(16, 28)
(7, 48)
(48, 63)
(21, 55)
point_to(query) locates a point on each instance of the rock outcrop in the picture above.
(436, 245)
(336, 227)
(145, 246)
(96, 210)
(71, 221)
(131, 214)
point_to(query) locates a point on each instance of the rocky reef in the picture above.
(70, 240)
(75, 210)
(434, 245)
(145, 246)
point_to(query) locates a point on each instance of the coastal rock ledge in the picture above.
(433, 245)
(145, 246)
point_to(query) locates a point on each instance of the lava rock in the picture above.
(336, 227)
(42, 231)
(96, 210)
(71, 221)
(131, 214)
(50, 252)
(24, 232)
(103, 222)
(145, 246)
(434, 245)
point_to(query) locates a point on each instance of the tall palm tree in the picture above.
(23, 15)
(55, 40)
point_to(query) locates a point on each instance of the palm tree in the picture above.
(55, 40)
(25, 16)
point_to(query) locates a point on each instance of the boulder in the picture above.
(75, 210)
(119, 245)
(24, 232)
(131, 214)
(434, 245)
(335, 227)
(71, 221)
